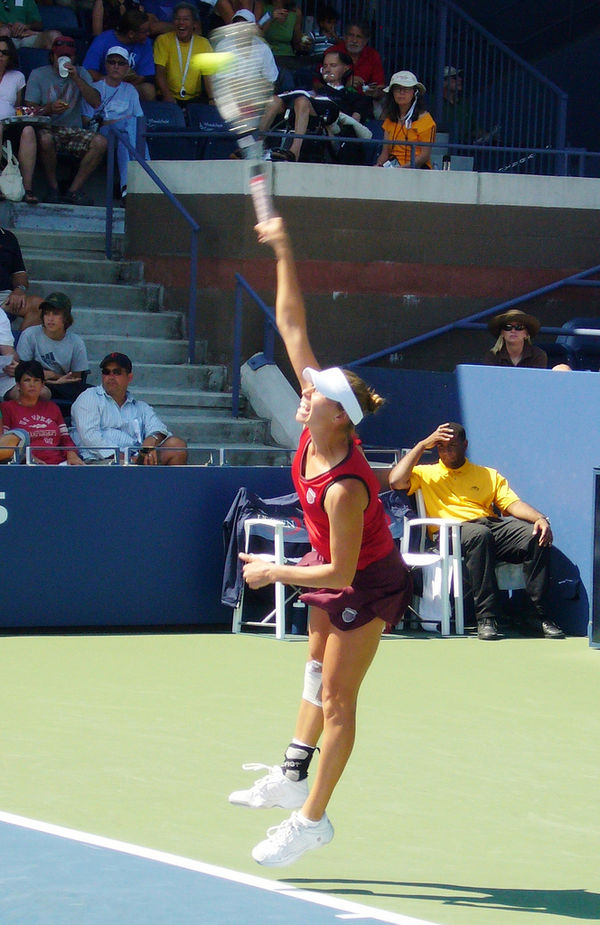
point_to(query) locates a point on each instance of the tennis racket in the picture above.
(241, 94)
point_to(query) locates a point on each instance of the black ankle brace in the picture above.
(296, 761)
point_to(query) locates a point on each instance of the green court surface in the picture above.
(471, 797)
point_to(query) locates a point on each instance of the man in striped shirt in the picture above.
(109, 416)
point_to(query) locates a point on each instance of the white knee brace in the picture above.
(313, 683)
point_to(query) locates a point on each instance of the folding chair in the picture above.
(277, 531)
(443, 571)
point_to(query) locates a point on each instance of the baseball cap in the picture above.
(333, 384)
(117, 50)
(121, 359)
(64, 44)
(57, 300)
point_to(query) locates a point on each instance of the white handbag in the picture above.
(11, 181)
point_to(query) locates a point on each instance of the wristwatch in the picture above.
(546, 518)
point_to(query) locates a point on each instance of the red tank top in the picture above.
(377, 540)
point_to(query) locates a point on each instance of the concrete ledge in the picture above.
(317, 181)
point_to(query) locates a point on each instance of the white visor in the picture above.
(333, 384)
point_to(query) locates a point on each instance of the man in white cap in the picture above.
(261, 53)
(119, 106)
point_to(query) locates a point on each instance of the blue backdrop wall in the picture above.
(129, 546)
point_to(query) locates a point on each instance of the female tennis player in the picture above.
(355, 578)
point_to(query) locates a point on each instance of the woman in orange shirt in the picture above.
(406, 119)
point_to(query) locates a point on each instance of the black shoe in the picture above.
(551, 630)
(487, 629)
(282, 154)
(77, 199)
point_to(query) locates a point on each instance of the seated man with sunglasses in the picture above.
(110, 416)
(457, 489)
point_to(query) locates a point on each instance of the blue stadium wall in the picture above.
(129, 547)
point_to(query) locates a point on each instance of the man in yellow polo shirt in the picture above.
(458, 489)
(178, 76)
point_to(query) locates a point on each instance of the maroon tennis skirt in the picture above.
(383, 589)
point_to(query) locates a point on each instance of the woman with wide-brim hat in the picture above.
(513, 331)
(406, 119)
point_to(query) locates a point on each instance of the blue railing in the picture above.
(577, 279)
(269, 331)
(114, 136)
(504, 98)
(471, 322)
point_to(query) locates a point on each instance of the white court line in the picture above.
(348, 910)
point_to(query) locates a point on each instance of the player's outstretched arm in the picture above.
(289, 303)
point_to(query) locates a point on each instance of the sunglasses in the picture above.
(114, 372)
(513, 327)
(117, 62)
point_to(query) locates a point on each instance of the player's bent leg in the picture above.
(347, 657)
(286, 786)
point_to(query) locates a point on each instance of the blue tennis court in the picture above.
(57, 876)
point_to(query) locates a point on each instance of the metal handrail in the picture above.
(425, 36)
(468, 323)
(269, 330)
(573, 280)
(116, 135)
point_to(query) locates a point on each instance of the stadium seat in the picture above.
(30, 58)
(61, 18)
(168, 117)
(583, 352)
(205, 118)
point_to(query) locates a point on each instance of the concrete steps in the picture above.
(52, 217)
(114, 309)
(93, 321)
(143, 297)
(42, 264)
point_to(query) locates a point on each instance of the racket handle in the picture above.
(263, 204)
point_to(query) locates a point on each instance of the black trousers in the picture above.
(489, 540)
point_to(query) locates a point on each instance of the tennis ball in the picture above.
(211, 62)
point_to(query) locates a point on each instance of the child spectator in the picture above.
(31, 421)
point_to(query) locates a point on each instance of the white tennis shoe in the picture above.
(287, 842)
(272, 790)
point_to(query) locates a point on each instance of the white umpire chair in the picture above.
(275, 618)
(442, 571)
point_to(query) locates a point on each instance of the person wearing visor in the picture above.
(406, 120)
(354, 578)
(513, 331)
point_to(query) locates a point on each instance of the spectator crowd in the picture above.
(327, 80)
